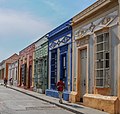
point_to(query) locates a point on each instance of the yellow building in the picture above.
(96, 56)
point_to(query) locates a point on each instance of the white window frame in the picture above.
(104, 67)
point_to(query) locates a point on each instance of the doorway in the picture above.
(23, 74)
(30, 77)
(83, 72)
(63, 69)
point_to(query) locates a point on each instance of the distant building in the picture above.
(41, 65)
(4, 66)
(2, 70)
(13, 73)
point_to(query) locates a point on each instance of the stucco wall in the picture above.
(91, 65)
(114, 58)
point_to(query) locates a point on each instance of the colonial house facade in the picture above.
(60, 59)
(4, 66)
(2, 71)
(13, 73)
(41, 65)
(96, 56)
(84, 52)
(26, 63)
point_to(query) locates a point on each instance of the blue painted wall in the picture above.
(60, 38)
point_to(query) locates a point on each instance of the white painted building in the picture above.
(96, 56)
(13, 73)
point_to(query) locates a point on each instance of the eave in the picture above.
(90, 10)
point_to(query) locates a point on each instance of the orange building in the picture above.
(4, 66)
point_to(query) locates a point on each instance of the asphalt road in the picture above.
(13, 102)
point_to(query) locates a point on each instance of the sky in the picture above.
(22, 22)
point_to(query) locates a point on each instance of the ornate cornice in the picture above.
(97, 5)
(103, 22)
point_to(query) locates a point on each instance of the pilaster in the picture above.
(49, 74)
(119, 54)
(58, 64)
(69, 66)
(19, 71)
(5, 70)
(33, 70)
(119, 51)
(27, 71)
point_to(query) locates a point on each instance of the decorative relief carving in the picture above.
(98, 24)
(82, 42)
(60, 41)
(92, 26)
(53, 44)
(65, 39)
(106, 20)
(80, 33)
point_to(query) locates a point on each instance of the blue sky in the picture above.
(24, 21)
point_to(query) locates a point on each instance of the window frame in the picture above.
(53, 71)
(105, 78)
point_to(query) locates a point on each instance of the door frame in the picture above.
(79, 70)
(66, 78)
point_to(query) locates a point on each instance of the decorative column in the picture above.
(58, 64)
(33, 69)
(87, 80)
(27, 71)
(19, 70)
(73, 62)
(5, 74)
(69, 66)
(78, 73)
(49, 74)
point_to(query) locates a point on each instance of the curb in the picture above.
(57, 104)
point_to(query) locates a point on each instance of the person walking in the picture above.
(11, 81)
(60, 88)
(5, 82)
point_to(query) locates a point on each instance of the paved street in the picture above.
(13, 102)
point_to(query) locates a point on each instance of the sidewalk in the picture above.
(78, 109)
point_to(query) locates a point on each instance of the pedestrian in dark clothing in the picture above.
(11, 81)
(60, 88)
(5, 82)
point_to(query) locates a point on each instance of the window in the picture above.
(40, 75)
(53, 69)
(63, 66)
(102, 60)
(23, 73)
